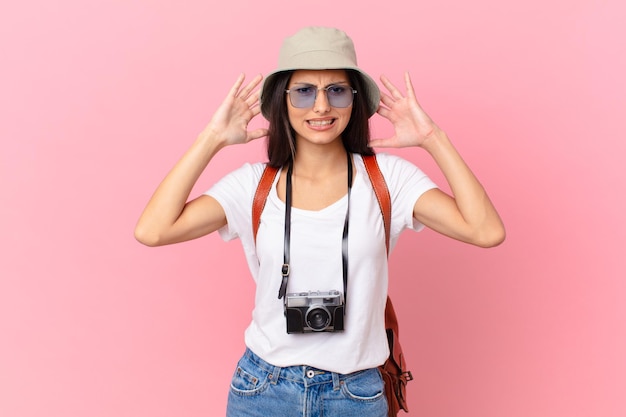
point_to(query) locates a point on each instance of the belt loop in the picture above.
(336, 381)
(275, 375)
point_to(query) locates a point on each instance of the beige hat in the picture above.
(320, 48)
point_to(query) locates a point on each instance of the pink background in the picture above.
(98, 100)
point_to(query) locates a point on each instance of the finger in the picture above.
(386, 100)
(410, 91)
(245, 92)
(384, 112)
(255, 110)
(235, 88)
(395, 93)
(253, 98)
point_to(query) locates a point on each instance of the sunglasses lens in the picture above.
(339, 96)
(303, 96)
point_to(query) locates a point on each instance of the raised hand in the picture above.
(169, 217)
(411, 124)
(230, 120)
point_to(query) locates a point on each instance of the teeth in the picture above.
(320, 122)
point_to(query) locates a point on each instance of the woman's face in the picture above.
(319, 123)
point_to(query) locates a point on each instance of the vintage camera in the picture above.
(314, 311)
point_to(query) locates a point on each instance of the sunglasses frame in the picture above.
(317, 89)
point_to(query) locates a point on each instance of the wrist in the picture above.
(435, 140)
(211, 137)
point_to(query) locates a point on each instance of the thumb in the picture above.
(379, 143)
(257, 133)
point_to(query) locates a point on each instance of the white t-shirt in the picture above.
(316, 263)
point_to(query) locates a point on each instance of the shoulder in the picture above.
(249, 169)
(403, 177)
(238, 183)
(247, 174)
(394, 167)
(390, 161)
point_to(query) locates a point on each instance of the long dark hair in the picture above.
(281, 144)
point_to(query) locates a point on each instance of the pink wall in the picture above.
(98, 99)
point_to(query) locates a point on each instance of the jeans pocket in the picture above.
(248, 380)
(364, 386)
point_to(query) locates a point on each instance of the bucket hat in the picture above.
(320, 48)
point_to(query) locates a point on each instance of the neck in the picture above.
(316, 161)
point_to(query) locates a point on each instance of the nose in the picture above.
(321, 104)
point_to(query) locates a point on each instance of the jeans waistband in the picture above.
(303, 374)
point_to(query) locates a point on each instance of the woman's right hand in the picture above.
(169, 217)
(229, 123)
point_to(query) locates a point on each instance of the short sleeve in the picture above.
(235, 192)
(406, 183)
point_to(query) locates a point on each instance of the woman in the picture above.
(318, 103)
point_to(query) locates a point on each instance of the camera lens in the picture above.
(318, 318)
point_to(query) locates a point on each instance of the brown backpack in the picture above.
(393, 370)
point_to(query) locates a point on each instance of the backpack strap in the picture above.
(373, 171)
(260, 196)
(393, 370)
(381, 191)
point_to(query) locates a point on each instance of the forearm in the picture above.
(474, 206)
(169, 199)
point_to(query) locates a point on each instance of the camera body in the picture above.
(314, 311)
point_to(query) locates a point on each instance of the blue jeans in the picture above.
(259, 389)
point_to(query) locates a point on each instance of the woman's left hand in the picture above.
(411, 124)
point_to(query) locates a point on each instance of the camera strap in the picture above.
(344, 240)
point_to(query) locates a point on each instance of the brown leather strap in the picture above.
(260, 196)
(381, 191)
(373, 171)
(394, 369)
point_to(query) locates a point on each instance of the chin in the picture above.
(320, 139)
